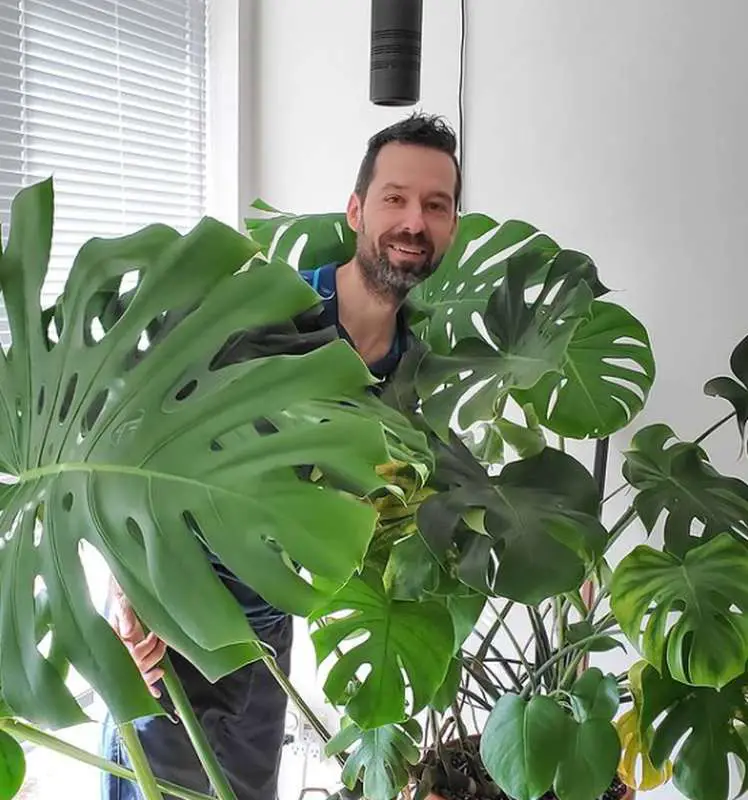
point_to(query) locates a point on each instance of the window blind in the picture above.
(107, 97)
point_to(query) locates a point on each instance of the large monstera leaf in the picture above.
(150, 450)
(695, 609)
(527, 534)
(677, 481)
(303, 240)
(700, 728)
(523, 340)
(606, 377)
(734, 391)
(407, 645)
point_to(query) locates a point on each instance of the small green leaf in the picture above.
(525, 441)
(447, 692)
(523, 743)
(733, 391)
(694, 609)
(383, 756)
(406, 639)
(601, 644)
(595, 696)
(678, 482)
(12, 766)
(466, 611)
(411, 571)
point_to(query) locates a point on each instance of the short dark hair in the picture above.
(426, 130)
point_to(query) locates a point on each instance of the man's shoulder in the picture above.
(321, 278)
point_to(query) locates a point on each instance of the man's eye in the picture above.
(392, 198)
(439, 208)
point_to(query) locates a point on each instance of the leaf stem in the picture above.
(717, 425)
(139, 760)
(515, 644)
(558, 624)
(558, 656)
(199, 740)
(291, 692)
(28, 733)
(628, 516)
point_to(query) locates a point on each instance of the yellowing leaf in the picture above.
(633, 751)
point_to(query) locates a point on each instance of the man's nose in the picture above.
(414, 222)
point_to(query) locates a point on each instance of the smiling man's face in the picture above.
(407, 219)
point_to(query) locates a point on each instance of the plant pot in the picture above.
(473, 744)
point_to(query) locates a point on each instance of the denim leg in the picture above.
(169, 752)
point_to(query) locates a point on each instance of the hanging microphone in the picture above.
(395, 68)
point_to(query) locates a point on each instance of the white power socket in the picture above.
(310, 741)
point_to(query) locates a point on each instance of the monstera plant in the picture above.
(182, 396)
(486, 589)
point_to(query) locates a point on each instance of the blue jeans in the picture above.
(243, 716)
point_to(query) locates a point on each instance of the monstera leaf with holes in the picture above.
(408, 645)
(303, 240)
(525, 340)
(677, 481)
(472, 268)
(695, 609)
(605, 377)
(135, 433)
(701, 728)
(382, 756)
(734, 391)
(527, 534)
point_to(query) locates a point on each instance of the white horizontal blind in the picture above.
(107, 97)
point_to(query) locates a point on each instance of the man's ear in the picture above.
(354, 213)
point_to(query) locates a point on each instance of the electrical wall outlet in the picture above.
(310, 740)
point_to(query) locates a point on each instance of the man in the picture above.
(404, 212)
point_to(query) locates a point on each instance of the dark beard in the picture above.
(387, 281)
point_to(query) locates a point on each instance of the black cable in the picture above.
(461, 93)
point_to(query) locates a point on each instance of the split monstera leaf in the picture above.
(159, 424)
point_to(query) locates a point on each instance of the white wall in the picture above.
(618, 127)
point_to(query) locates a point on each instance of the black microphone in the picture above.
(395, 69)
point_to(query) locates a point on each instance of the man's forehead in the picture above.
(403, 165)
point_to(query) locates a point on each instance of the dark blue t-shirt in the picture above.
(260, 614)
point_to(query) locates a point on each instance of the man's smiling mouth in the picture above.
(408, 251)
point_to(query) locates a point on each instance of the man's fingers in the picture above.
(151, 678)
(129, 628)
(148, 653)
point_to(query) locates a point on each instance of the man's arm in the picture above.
(147, 651)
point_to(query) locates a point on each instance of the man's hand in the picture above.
(147, 651)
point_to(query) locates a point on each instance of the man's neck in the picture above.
(369, 319)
